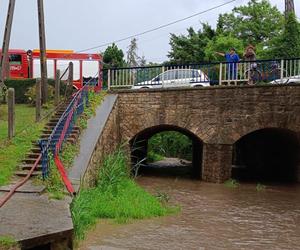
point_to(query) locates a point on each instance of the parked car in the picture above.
(287, 80)
(176, 78)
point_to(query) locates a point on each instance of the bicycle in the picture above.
(276, 72)
(272, 75)
(253, 74)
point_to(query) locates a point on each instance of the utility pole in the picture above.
(43, 59)
(4, 62)
(289, 7)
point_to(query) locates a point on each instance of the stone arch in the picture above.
(139, 143)
(267, 154)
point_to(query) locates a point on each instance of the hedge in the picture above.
(22, 85)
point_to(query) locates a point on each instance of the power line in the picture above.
(157, 28)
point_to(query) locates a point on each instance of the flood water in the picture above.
(212, 216)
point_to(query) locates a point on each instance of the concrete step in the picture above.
(30, 160)
(29, 166)
(35, 150)
(32, 155)
(24, 173)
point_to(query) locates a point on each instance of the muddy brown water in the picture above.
(212, 216)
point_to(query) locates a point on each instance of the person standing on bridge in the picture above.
(232, 58)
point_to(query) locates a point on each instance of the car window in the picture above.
(169, 75)
(185, 73)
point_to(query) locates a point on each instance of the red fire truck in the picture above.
(24, 64)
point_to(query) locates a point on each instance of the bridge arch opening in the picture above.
(267, 155)
(186, 160)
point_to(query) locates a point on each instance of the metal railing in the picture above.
(63, 128)
(205, 74)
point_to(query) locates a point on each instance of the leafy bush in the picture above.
(22, 86)
(170, 144)
(31, 94)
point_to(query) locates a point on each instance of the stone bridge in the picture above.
(216, 119)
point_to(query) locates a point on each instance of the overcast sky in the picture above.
(78, 24)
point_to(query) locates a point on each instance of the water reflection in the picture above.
(212, 217)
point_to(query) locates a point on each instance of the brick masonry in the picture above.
(219, 116)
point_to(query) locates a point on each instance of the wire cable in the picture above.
(157, 28)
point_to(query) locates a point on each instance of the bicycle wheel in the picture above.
(276, 73)
(255, 76)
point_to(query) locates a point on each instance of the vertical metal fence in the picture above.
(205, 74)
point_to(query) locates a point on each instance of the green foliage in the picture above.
(231, 183)
(153, 157)
(255, 23)
(8, 243)
(170, 144)
(190, 48)
(222, 43)
(21, 86)
(113, 57)
(287, 45)
(258, 23)
(116, 196)
(31, 94)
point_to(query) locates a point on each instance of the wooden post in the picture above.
(71, 72)
(108, 79)
(43, 59)
(4, 62)
(11, 113)
(57, 88)
(38, 100)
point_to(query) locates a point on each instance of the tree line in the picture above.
(259, 23)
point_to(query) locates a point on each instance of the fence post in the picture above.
(220, 74)
(108, 79)
(281, 72)
(57, 87)
(38, 100)
(11, 113)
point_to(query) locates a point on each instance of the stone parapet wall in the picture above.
(107, 143)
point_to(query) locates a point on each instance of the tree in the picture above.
(258, 22)
(132, 56)
(222, 43)
(287, 45)
(113, 57)
(190, 48)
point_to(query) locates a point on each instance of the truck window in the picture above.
(15, 59)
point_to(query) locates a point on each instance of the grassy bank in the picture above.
(8, 243)
(116, 197)
(13, 151)
(54, 184)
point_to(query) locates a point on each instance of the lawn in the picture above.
(13, 151)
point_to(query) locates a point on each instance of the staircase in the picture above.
(35, 151)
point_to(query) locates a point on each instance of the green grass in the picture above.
(231, 183)
(116, 197)
(13, 151)
(8, 243)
